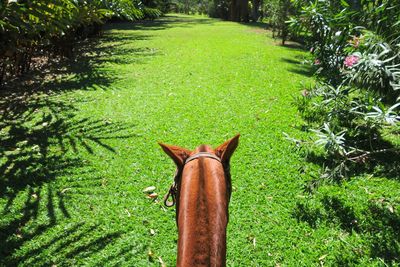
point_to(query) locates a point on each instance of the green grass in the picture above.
(78, 151)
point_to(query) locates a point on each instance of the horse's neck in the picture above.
(202, 219)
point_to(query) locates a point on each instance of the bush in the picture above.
(29, 28)
(356, 99)
(278, 12)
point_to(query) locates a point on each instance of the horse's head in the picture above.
(201, 190)
(218, 162)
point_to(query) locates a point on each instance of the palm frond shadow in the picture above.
(41, 137)
(33, 153)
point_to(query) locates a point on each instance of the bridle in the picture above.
(174, 187)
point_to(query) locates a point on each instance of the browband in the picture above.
(173, 189)
(202, 154)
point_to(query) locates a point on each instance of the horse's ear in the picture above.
(226, 150)
(177, 154)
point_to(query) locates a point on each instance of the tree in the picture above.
(239, 10)
(278, 12)
(52, 27)
(255, 10)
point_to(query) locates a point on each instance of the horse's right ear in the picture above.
(176, 153)
(226, 150)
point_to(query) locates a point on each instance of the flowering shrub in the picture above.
(356, 98)
(349, 61)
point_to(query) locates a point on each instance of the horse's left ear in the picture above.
(226, 150)
(176, 153)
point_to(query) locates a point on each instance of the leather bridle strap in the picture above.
(173, 189)
(172, 193)
(202, 154)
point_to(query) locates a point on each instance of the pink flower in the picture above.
(317, 61)
(351, 60)
(305, 93)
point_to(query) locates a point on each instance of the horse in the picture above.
(201, 191)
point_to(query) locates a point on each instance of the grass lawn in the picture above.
(77, 152)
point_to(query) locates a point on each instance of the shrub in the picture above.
(28, 28)
(356, 98)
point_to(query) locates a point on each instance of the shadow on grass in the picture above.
(41, 137)
(380, 165)
(258, 25)
(165, 22)
(298, 68)
(295, 45)
(377, 223)
(291, 43)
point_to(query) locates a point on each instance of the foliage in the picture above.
(30, 29)
(277, 14)
(151, 13)
(190, 6)
(358, 61)
(219, 9)
(234, 10)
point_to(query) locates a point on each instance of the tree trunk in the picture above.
(285, 15)
(234, 10)
(239, 11)
(255, 13)
(244, 10)
(186, 7)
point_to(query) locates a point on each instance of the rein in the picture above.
(174, 187)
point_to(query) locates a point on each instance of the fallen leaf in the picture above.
(391, 209)
(127, 211)
(152, 195)
(149, 189)
(322, 257)
(65, 190)
(161, 262)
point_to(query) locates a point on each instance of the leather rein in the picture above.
(174, 187)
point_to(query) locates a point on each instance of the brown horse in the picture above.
(202, 190)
